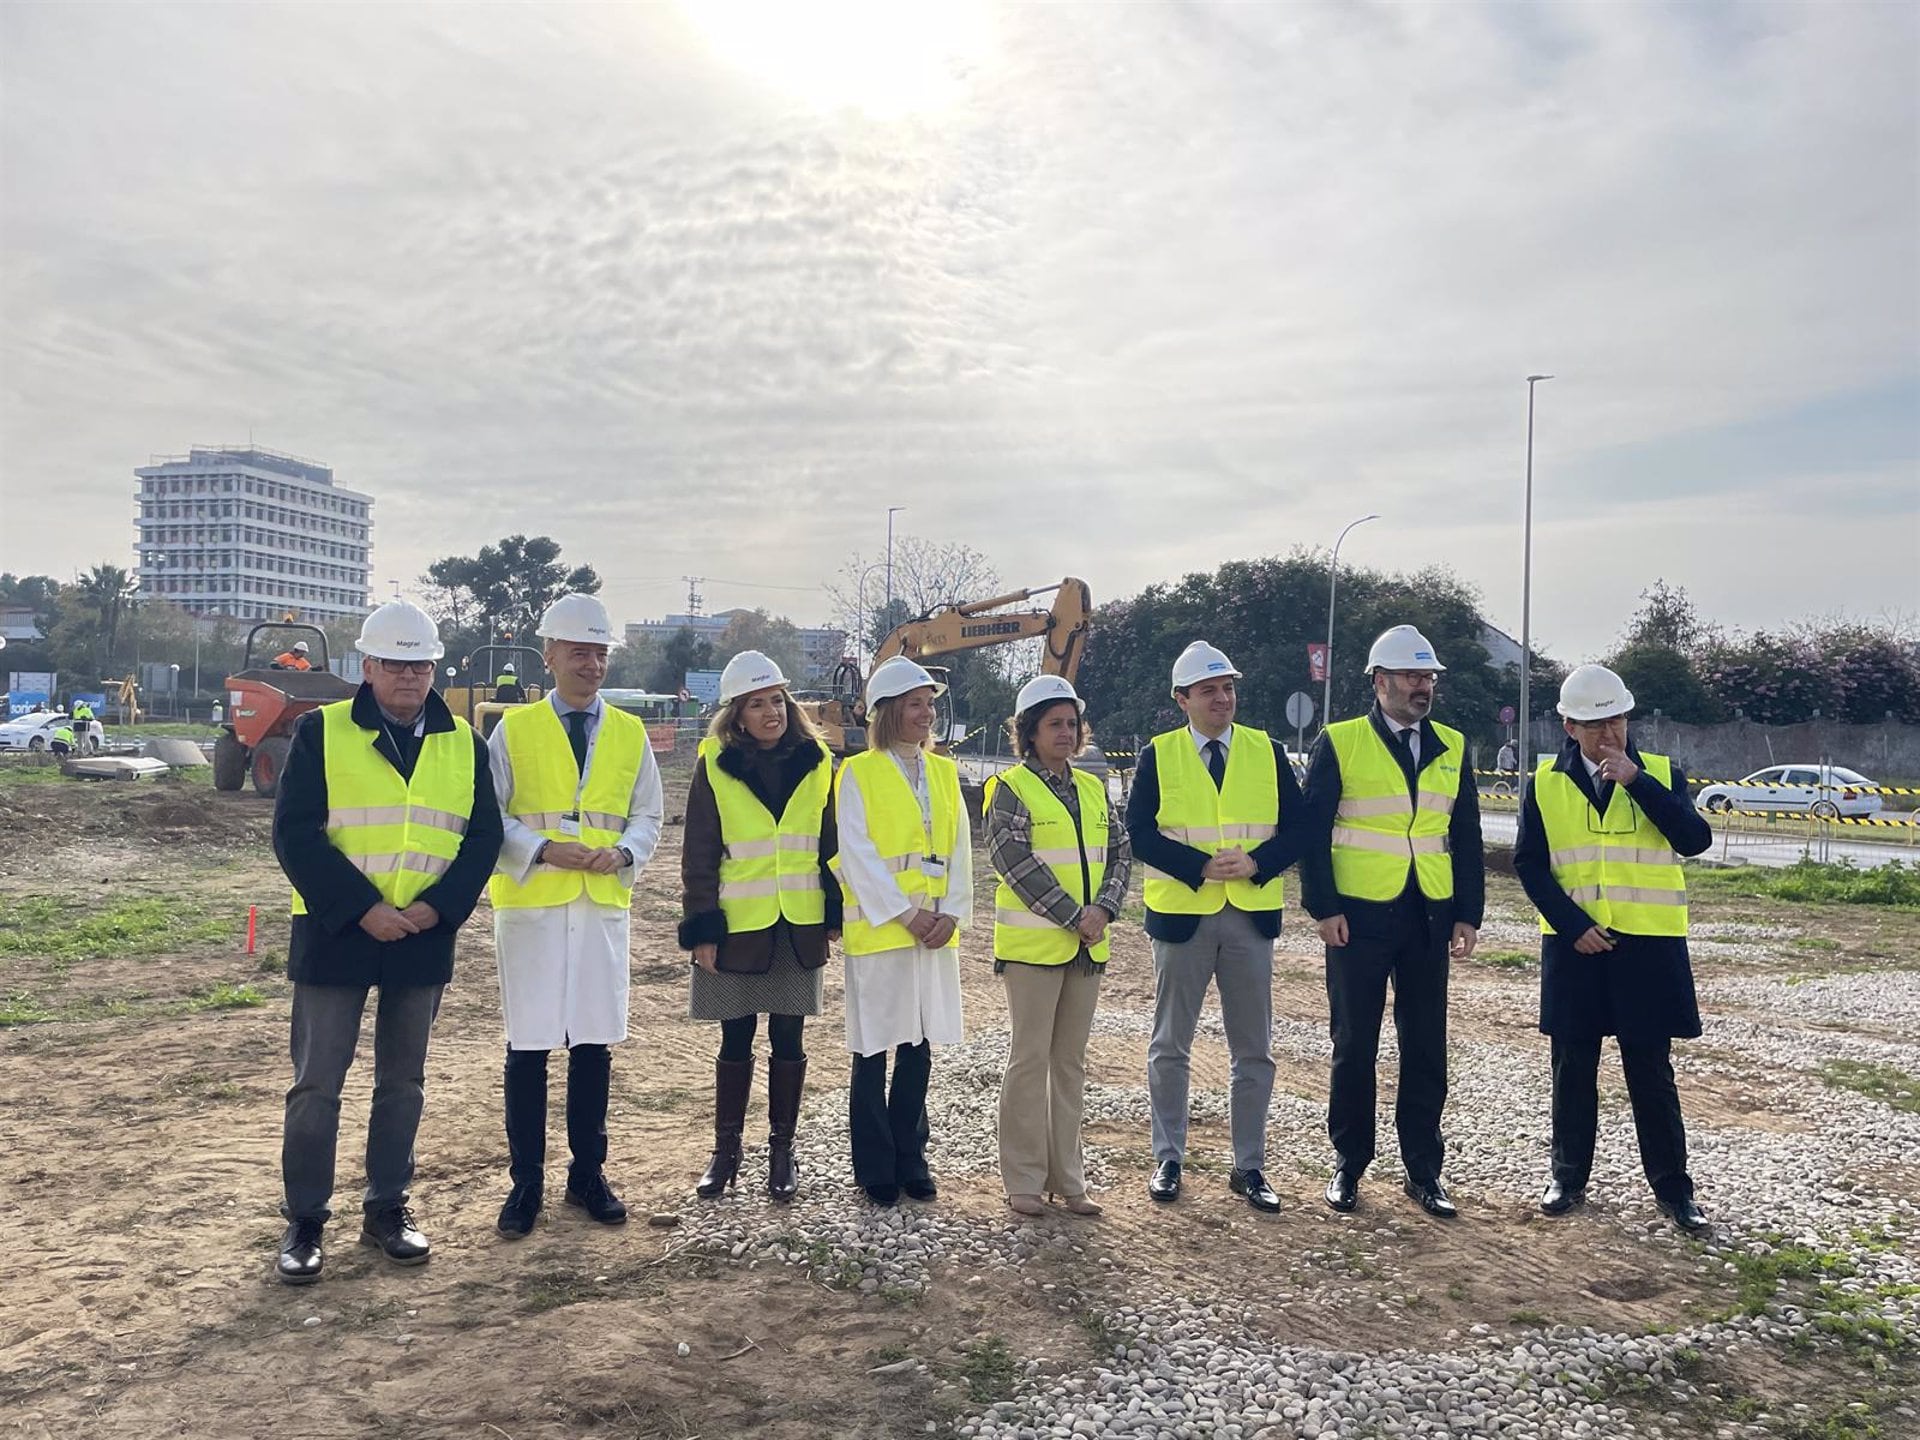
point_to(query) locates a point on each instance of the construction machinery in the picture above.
(840, 713)
(478, 701)
(263, 704)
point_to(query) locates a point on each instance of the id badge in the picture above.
(570, 825)
(933, 866)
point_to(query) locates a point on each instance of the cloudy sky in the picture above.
(1119, 290)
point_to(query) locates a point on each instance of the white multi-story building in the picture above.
(821, 645)
(249, 533)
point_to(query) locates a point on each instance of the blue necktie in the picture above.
(577, 735)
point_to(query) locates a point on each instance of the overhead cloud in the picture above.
(1119, 290)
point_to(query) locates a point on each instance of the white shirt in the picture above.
(1397, 728)
(910, 994)
(1200, 742)
(645, 808)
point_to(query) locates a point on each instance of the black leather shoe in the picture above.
(1343, 1190)
(596, 1197)
(1165, 1184)
(1433, 1198)
(883, 1195)
(1687, 1215)
(921, 1190)
(394, 1232)
(300, 1253)
(517, 1215)
(1560, 1198)
(1253, 1185)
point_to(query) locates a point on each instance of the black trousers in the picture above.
(1656, 1113)
(589, 1077)
(889, 1127)
(1411, 953)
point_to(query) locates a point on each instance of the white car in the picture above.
(35, 731)
(1826, 791)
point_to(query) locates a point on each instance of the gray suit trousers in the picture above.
(1228, 951)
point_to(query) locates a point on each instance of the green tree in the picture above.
(1667, 619)
(684, 650)
(774, 636)
(1662, 678)
(502, 590)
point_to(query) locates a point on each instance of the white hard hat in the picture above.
(507, 669)
(1593, 692)
(1402, 648)
(577, 617)
(896, 676)
(299, 647)
(1043, 690)
(747, 672)
(400, 630)
(1200, 661)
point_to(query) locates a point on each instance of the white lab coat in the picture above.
(904, 996)
(564, 968)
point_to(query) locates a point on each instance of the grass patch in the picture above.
(1814, 942)
(1896, 885)
(987, 1367)
(1888, 1084)
(1507, 959)
(55, 928)
(224, 996)
(22, 1009)
(1529, 1317)
(28, 773)
(1759, 1276)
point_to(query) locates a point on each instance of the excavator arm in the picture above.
(969, 626)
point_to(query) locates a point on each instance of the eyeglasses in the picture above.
(1432, 677)
(407, 667)
(1598, 824)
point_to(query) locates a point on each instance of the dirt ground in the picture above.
(142, 1080)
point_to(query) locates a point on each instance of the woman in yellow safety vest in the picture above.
(1062, 855)
(759, 904)
(906, 882)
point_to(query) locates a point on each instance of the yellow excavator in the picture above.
(841, 713)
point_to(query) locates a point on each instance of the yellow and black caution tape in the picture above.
(1831, 785)
(1801, 816)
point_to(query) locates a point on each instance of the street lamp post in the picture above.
(892, 510)
(1523, 750)
(863, 617)
(1333, 580)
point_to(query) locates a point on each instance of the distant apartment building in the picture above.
(249, 533)
(822, 645)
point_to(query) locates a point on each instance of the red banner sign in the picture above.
(1317, 661)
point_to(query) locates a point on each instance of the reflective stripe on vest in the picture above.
(1244, 811)
(1021, 934)
(401, 834)
(1378, 830)
(547, 786)
(1632, 881)
(769, 868)
(895, 827)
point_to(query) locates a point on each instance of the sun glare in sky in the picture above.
(885, 57)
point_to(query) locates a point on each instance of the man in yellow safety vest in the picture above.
(1602, 828)
(1397, 885)
(583, 803)
(386, 824)
(1215, 816)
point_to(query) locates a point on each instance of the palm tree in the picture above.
(110, 591)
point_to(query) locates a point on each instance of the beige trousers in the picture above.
(1043, 1095)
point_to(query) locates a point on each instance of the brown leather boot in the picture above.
(732, 1079)
(785, 1080)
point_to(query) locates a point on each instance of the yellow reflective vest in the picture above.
(769, 868)
(1615, 865)
(905, 840)
(1244, 811)
(1379, 829)
(1077, 857)
(548, 791)
(402, 834)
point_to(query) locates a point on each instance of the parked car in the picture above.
(35, 732)
(1828, 791)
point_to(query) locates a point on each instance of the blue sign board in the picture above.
(25, 702)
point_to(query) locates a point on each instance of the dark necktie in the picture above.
(1217, 763)
(577, 735)
(1407, 761)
